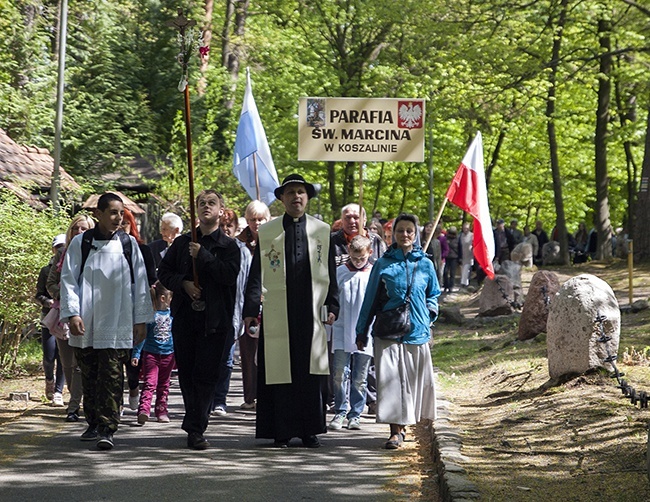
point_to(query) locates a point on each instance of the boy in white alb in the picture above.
(105, 299)
(350, 365)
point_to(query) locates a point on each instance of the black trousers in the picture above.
(197, 356)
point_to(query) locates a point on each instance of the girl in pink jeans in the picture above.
(157, 352)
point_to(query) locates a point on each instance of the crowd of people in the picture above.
(325, 318)
(307, 305)
(315, 346)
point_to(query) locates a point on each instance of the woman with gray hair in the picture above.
(171, 226)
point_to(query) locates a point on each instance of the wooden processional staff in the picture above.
(186, 42)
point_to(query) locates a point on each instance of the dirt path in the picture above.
(581, 441)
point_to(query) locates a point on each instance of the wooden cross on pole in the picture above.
(181, 23)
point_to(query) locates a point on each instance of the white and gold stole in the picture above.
(275, 318)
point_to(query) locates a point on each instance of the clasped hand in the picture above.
(192, 290)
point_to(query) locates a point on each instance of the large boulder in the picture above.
(512, 271)
(551, 253)
(451, 314)
(496, 297)
(573, 332)
(541, 291)
(523, 254)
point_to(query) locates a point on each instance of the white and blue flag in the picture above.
(252, 150)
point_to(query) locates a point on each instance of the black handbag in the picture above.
(393, 324)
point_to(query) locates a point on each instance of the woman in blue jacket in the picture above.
(405, 381)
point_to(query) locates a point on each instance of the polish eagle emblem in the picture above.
(410, 114)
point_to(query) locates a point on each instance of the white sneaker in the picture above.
(354, 424)
(57, 399)
(220, 411)
(337, 422)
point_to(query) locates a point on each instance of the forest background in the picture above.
(558, 88)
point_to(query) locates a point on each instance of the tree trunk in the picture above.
(233, 30)
(331, 181)
(602, 221)
(379, 183)
(642, 220)
(405, 187)
(431, 212)
(235, 21)
(495, 156)
(241, 14)
(225, 32)
(560, 220)
(207, 39)
(627, 113)
(347, 192)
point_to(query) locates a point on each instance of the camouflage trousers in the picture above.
(102, 379)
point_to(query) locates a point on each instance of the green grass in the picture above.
(461, 350)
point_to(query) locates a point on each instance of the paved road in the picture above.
(42, 459)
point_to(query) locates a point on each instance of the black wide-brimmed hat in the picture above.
(295, 178)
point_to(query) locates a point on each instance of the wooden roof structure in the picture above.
(27, 170)
(139, 173)
(91, 203)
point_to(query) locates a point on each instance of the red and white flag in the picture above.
(468, 191)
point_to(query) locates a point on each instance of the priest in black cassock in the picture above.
(294, 264)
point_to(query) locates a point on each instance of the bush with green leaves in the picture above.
(25, 247)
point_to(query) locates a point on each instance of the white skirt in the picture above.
(406, 391)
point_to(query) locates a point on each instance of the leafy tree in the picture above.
(25, 246)
(102, 117)
(26, 69)
(481, 65)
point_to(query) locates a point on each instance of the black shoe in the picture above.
(311, 442)
(73, 416)
(196, 441)
(105, 441)
(281, 443)
(394, 444)
(90, 434)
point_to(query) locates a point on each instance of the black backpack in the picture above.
(87, 245)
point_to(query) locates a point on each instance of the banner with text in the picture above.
(361, 129)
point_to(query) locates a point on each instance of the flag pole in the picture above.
(435, 224)
(255, 172)
(360, 187)
(257, 178)
(362, 230)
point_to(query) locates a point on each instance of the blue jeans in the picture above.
(350, 370)
(50, 359)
